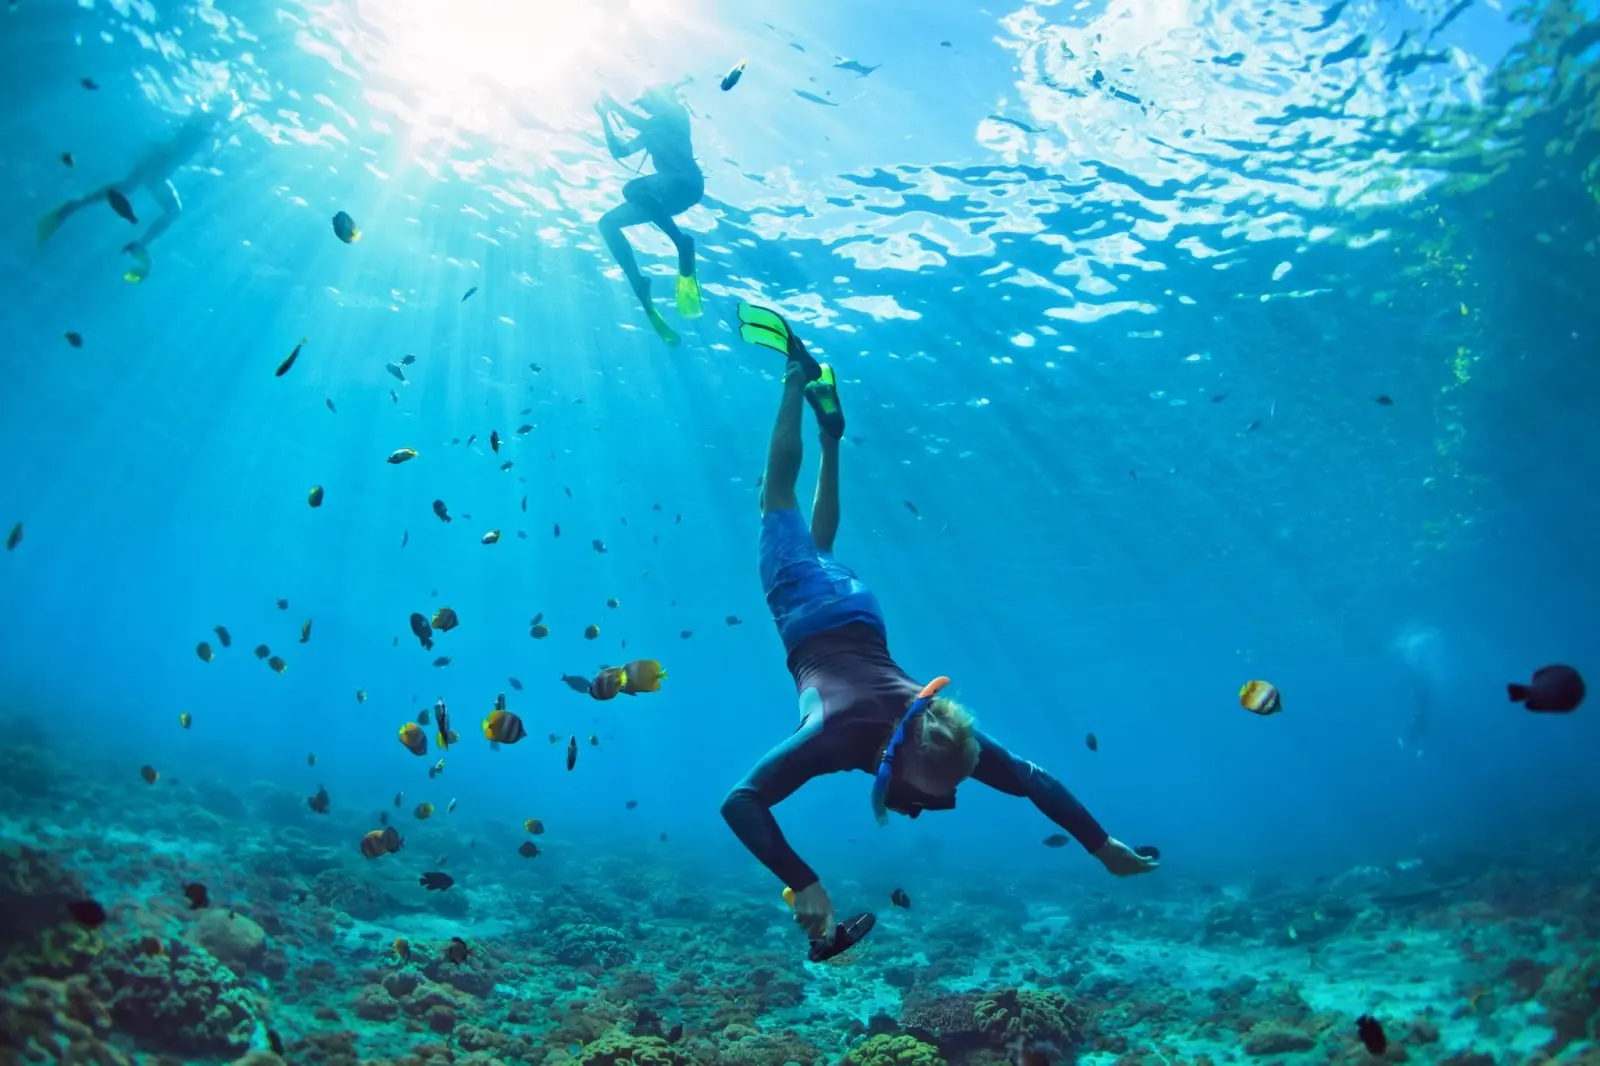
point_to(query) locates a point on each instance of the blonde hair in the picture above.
(947, 747)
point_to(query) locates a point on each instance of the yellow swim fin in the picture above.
(48, 224)
(663, 330)
(689, 296)
(141, 265)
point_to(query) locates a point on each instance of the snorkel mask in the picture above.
(880, 784)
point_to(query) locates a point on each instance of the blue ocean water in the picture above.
(1180, 345)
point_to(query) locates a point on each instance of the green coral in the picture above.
(885, 1050)
(1009, 1015)
(619, 1048)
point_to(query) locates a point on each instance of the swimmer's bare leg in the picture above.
(171, 207)
(784, 450)
(825, 505)
(52, 220)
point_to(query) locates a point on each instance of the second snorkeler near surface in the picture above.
(660, 125)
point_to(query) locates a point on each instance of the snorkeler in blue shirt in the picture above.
(859, 710)
(661, 130)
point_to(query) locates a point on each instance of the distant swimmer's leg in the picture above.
(612, 224)
(166, 195)
(51, 221)
(661, 197)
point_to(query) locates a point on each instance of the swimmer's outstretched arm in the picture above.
(1004, 772)
(808, 753)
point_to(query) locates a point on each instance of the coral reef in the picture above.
(180, 1000)
(903, 1050)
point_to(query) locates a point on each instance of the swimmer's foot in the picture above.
(663, 330)
(764, 326)
(688, 296)
(140, 268)
(49, 223)
(823, 396)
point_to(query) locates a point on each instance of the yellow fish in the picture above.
(423, 811)
(402, 455)
(1260, 697)
(185, 719)
(503, 727)
(415, 740)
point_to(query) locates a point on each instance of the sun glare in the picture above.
(548, 58)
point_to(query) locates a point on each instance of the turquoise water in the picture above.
(1116, 294)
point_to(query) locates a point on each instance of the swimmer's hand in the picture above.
(1122, 860)
(813, 911)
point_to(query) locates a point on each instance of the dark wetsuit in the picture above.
(677, 183)
(833, 629)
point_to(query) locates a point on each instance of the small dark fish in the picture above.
(899, 898)
(197, 896)
(1219, 397)
(441, 510)
(567, 490)
(536, 368)
(89, 83)
(262, 651)
(558, 529)
(394, 396)
(423, 631)
(405, 538)
(87, 912)
(311, 758)
(441, 661)
(456, 951)
(283, 604)
(436, 882)
(912, 508)
(524, 502)
(598, 545)
(283, 367)
(537, 619)
(319, 802)
(507, 465)
(395, 371)
(494, 440)
(685, 634)
(524, 428)
(521, 535)
(1383, 401)
(74, 339)
(277, 664)
(730, 79)
(1091, 742)
(15, 537)
(515, 683)
(528, 850)
(344, 227)
(332, 408)
(814, 98)
(275, 1042)
(630, 805)
(314, 497)
(856, 68)
(572, 752)
(1554, 689)
(1057, 840)
(734, 620)
(1252, 427)
(1371, 1034)
(674, 1034)
(468, 293)
(407, 359)
(119, 203)
(305, 632)
(66, 159)
(204, 651)
(223, 636)
(399, 799)
(576, 683)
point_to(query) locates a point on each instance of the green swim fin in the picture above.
(663, 330)
(764, 326)
(688, 296)
(823, 396)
